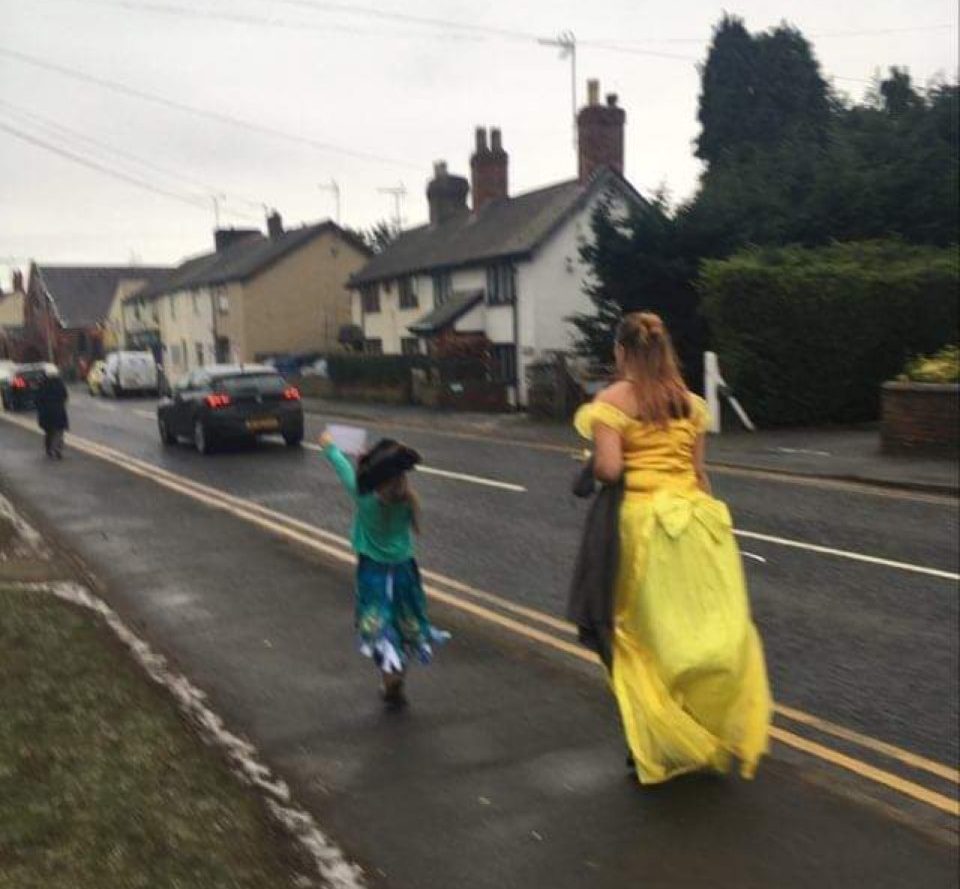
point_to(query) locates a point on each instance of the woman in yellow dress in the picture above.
(687, 667)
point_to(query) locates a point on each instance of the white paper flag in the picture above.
(350, 439)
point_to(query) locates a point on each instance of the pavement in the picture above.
(507, 769)
(844, 453)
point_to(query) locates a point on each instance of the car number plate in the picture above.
(263, 424)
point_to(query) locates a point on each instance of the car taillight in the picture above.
(291, 393)
(217, 401)
(19, 383)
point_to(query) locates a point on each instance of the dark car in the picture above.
(20, 388)
(228, 402)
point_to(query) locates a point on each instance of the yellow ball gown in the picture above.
(688, 670)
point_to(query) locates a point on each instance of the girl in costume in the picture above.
(687, 666)
(391, 609)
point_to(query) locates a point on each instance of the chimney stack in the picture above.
(227, 237)
(600, 133)
(274, 225)
(17, 281)
(446, 194)
(488, 169)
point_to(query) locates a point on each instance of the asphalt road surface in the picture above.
(854, 590)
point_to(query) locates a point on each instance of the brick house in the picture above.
(66, 311)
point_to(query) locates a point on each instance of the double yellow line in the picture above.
(533, 625)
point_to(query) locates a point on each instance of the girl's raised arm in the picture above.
(341, 465)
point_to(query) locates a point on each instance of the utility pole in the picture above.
(399, 192)
(333, 186)
(567, 44)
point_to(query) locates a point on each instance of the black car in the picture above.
(230, 401)
(19, 392)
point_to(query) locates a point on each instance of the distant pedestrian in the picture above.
(390, 608)
(671, 617)
(51, 401)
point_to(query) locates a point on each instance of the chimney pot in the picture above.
(611, 100)
(481, 140)
(496, 140)
(439, 169)
(593, 92)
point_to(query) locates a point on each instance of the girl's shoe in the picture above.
(392, 693)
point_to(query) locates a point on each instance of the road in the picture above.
(854, 589)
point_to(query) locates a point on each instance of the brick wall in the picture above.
(920, 418)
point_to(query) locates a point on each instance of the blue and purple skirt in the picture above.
(391, 615)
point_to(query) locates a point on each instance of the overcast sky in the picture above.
(393, 94)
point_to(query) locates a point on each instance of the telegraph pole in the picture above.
(399, 192)
(566, 41)
(333, 186)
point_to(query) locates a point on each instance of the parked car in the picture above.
(19, 390)
(230, 401)
(130, 372)
(95, 377)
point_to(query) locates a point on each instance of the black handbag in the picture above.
(584, 481)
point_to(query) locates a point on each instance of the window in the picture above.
(408, 293)
(173, 307)
(505, 363)
(199, 348)
(220, 296)
(137, 308)
(442, 288)
(223, 349)
(370, 295)
(373, 347)
(175, 355)
(410, 345)
(185, 353)
(196, 305)
(501, 285)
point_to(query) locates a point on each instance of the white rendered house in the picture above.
(507, 267)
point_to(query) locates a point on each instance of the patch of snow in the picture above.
(332, 867)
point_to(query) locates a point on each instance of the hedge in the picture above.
(370, 369)
(807, 336)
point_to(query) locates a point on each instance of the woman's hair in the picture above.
(398, 490)
(653, 368)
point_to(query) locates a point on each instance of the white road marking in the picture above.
(458, 476)
(846, 554)
(753, 556)
(752, 535)
(803, 451)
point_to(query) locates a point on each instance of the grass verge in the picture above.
(102, 784)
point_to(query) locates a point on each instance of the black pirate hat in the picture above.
(385, 460)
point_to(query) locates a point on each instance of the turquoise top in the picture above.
(382, 532)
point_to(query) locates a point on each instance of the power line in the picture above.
(59, 130)
(196, 203)
(237, 18)
(201, 112)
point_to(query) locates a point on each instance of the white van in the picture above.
(128, 372)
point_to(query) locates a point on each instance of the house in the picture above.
(505, 271)
(253, 296)
(12, 318)
(115, 334)
(66, 311)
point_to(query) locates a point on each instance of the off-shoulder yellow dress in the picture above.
(688, 670)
